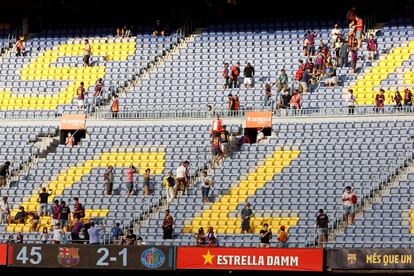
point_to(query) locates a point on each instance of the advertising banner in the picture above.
(92, 256)
(258, 119)
(372, 259)
(73, 121)
(286, 259)
(3, 254)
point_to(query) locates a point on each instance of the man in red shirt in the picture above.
(232, 103)
(80, 92)
(217, 123)
(234, 75)
(130, 179)
(359, 28)
(380, 101)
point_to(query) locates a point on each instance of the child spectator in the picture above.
(226, 75)
(19, 237)
(351, 100)
(295, 100)
(44, 237)
(351, 34)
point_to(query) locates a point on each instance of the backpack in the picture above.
(354, 199)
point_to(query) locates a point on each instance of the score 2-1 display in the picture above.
(91, 256)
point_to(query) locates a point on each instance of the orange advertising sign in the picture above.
(258, 119)
(73, 121)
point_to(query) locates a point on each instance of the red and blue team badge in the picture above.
(152, 258)
(68, 256)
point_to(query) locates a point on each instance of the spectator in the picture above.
(231, 103)
(351, 34)
(282, 81)
(207, 183)
(335, 34)
(98, 92)
(116, 233)
(55, 212)
(130, 238)
(35, 221)
(180, 178)
(4, 211)
(224, 141)
(169, 183)
(57, 234)
(186, 176)
(322, 222)
(87, 53)
(349, 201)
(408, 99)
(84, 235)
(20, 46)
(19, 237)
(380, 101)
(310, 43)
(265, 236)
(359, 28)
(235, 75)
(130, 179)
(70, 140)
(295, 100)
(109, 179)
(44, 237)
(4, 173)
(398, 100)
(337, 47)
(217, 123)
(43, 202)
(167, 225)
(248, 75)
(372, 47)
(236, 103)
(211, 237)
(216, 149)
(64, 215)
(304, 81)
(343, 53)
(309, 64)
(140, 241)
(159, 29)
(246, 214)
(282, 238)
(147, 180)
(210, 111)
(124, 31)
(78, 210)
(226, 75)
(115, 106)
(268, 95)
(10, 239)
(354, 58)
(75, 231)
(200, 237)
(20, 216)
(260, 135)
(80, 92)
(330, 75)
(351, 100)
(94, 232)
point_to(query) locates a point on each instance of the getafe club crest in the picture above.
(352, 258)
(68, 257)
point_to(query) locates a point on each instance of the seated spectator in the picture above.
(130, 238)
(330, 75)
(285, 100)
(10, 239)
(200, 237)
(44, 237)
(295, 100)
(282, 81)
(21, 216)
(210, 111)
(211, 237)
(397, 99)
(260, 135)
(159, 29)
(282, 238)
(70, 140)
(140, 241)
(335, 34)
(35, 220)
(19, 238)
(75, 231)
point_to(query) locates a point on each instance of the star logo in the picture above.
(208, 258)
(248, 119)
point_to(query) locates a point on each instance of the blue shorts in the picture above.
(358, 34)
(310, 49)
(322, 231)
(63, 222)
(349, 210)
(205, 191)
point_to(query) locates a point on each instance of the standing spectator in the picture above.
(282, 238)
(87, 53)
(64, 215)
(116, 233)
(343, 53)
(167, 225)
(210, 111)
(236, 103)
(304, 81)
(115, 106)
(216, 149)
(408, 99)
(226, 75)
(35, 220)
(285, 100)
(224, 141)
(282, 81)
(398, 100)
(260, 135)
(44, 237)
(337, 47)
(186, 176)
(248, 75)
(349, 200)
(268, 95)
(57, 234)
(235, 75)
(200, 237)
(20, 216)
(97, 95)
(295, 100)
(4, 173)
(147, 180)
(309, 64)
(217, 123)
(372, 47)
(78, 210)
(169, 183)
(20, 46)
(109, 179)
(70, 140)
(351, 100)
(335, 34)
(354, 58)
(75, 231)
(359, 28)
(380, 101)
(159, 29)
(43, 202)
(94, 232)
(232, 106)
(180, 178)
(130, 179)
(246, 214)
(207, 183)
(265, 236)
(4, 211)
(322, 222)
(55, 212)
(130, 238)
(80, 92)
(310, 44)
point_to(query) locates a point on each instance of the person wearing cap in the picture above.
(349, 205)
(282, 238)
(109, 180)
(4, 172)
(265, 236)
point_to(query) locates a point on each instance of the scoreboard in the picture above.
(91, 256)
